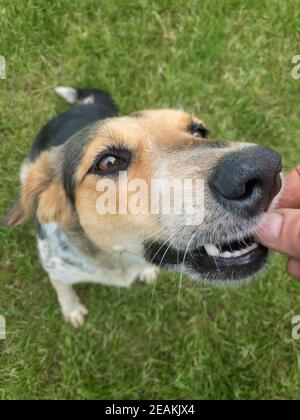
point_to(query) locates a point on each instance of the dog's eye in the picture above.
(109, 163)
(198, 130)
(112, 162)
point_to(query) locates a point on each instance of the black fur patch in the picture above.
(73, 153)
(59, 130)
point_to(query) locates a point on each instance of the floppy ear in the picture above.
(15, 215)
(42, 192)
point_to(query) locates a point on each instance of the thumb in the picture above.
(291, 191)
(280, 230)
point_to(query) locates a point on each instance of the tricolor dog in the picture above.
(91, 142)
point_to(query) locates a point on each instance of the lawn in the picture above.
(230, 62)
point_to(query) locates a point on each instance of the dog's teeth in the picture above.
(237, 254)
(227, 254)
(248, 249)
(211, 250)
(253, 246)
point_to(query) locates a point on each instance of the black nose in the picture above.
(247, 180)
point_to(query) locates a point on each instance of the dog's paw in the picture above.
(149, 275)
(76, 316)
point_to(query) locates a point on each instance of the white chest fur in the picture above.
(66, 263)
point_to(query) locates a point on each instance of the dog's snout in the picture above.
(248, 180)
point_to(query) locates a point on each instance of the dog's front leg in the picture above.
(149, 275)
(72, 309)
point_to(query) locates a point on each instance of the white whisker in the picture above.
(182, 268)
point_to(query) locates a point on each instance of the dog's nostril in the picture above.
(250, 186)
(240, 191)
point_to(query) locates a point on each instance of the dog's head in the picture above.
(105, 180)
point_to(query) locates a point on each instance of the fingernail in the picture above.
(270, 227)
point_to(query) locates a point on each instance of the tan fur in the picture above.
(41, 191)
(54, 205)
(25, 168)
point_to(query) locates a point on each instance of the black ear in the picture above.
(15, 216)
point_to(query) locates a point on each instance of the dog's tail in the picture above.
(89, 97)
(77, 96)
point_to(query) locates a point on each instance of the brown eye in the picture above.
(198, 130)
(112, 162)
(109, 163)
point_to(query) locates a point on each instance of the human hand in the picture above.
(280, 229)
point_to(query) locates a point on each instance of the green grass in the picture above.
(230, 62)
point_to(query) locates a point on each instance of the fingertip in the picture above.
(270, 229)
(293, 267)
(291, 196)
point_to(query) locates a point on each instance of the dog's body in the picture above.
(90, 142)
(68, 257)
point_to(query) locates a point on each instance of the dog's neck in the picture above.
(79, 238)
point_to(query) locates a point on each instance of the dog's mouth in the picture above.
(233, 262)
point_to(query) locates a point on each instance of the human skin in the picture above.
(280, 229)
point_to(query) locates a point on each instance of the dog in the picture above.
(90, 142)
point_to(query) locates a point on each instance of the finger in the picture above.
(293, 267)
(291, 193)
(280, 230)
